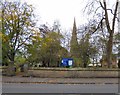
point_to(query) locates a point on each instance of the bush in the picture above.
(77, 62)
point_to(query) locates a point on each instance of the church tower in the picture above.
(74, 42)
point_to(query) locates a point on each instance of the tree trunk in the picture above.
(44, 64)
(110, 31)
(85, 65)
(58, 64)
(48, 63)
(109, 49)
(11, 69)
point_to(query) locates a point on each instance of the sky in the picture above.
(48, 11)
(64, 11)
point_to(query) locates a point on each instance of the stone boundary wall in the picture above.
(74, 73)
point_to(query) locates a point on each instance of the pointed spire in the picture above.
(74, 24)
(74, 42)
(74, 27)
(74, 31)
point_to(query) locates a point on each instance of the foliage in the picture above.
(87, 51)
(46, 50)
(17, 23)
(22, 42)
(19, 60)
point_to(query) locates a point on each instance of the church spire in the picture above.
(74, 24)
(74, 42)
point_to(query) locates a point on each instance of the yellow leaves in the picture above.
(4, 38)
(15, 16)
(36, 38)
(27, 23)
(49, 40)
(46, 42)
(44, 45)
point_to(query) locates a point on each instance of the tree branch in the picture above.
(98, 26)
(106, 17)
(115, 13)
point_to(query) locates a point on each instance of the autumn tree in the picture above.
(46, 48)
(34, 48)
(51, 50)
(17, 24)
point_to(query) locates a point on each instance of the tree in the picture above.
(46, 50)
(109, 22)
(66, 39)
(56, 27)
(0, 39)
(17, 24)
(34, 48)
(117, 43)
(89, 44)
(51, 49)
(44, 29)
(87, 50)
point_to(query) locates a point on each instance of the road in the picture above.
(58, 88)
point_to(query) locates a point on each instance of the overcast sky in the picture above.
(64, 11)
(48, 11)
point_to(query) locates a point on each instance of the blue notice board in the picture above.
(67, 62)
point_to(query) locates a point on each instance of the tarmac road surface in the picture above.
(58, 88)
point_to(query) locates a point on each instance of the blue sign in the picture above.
(67, 62)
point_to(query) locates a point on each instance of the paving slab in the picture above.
(19, 79)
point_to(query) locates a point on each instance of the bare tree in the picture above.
(109, 22)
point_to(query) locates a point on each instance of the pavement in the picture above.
(19, 79)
